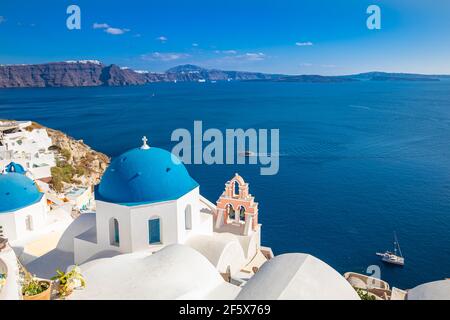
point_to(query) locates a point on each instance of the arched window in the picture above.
(188, 217)
(236, 189)
(242, 213)
(230, 212)
(114, 237)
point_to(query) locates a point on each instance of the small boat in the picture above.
(395, 257)
(247, 153)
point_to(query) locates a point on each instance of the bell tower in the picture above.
(236, 208)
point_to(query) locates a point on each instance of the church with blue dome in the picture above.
(22, 206)
(147, 200)
(144, 176)
(14, 167)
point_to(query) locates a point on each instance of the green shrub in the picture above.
(364, 295)
(64, 172)
(66, 154)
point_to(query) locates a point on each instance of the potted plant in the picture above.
(35, 289)
(2, 280)
(68, 281)
(365, 295)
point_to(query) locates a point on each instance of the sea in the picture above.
(358, 161)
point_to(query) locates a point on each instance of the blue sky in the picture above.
(282, 36)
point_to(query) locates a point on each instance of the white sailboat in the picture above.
(395, 257)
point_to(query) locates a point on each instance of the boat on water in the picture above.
(395, 257)
(247, 153)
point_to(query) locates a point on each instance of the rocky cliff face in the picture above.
(92, 162)
(51, 75)
(92, 73)
(190, 72)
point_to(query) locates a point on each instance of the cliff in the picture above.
(94, 73)
(63, 74)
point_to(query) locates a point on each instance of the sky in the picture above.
(326, 37)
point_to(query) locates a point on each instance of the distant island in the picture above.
(88, 73)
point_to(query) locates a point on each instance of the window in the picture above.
(242, 213)
(1, 231)
(154, 232)
(236, 189)
(29, 223)
(188, 217)
(114, 237)
(230, 212)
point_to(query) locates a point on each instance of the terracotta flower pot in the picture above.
(67, 292)
(45, 295)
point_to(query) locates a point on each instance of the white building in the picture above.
(81, 198)
(158, 238)
(9, 269)
(29, 148)
(174, 272)
(436, 290)
(147, 200)
(23, 208)
(297, 276)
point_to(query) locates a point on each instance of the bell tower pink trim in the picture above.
(237, 206)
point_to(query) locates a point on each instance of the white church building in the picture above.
(23, 208)
(147, 200)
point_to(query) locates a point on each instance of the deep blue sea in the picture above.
(358, 160)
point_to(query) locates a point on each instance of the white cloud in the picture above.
(162, 39)
(195, 44)
(164, 56)
(232, 59)
(2, 19)
(328, 66)
(116, 31)
(226, 51)
(304, 44)
(100, 26)
(305, 64)
(108, 29)
(253, 56)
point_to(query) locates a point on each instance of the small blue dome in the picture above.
(17, 191)
(142, 176)
(14, 167)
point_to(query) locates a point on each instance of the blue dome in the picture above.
(142, 176)
(17, 191)
(14, 167)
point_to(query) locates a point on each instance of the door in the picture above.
(154, 233)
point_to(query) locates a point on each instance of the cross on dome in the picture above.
(145, 146)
